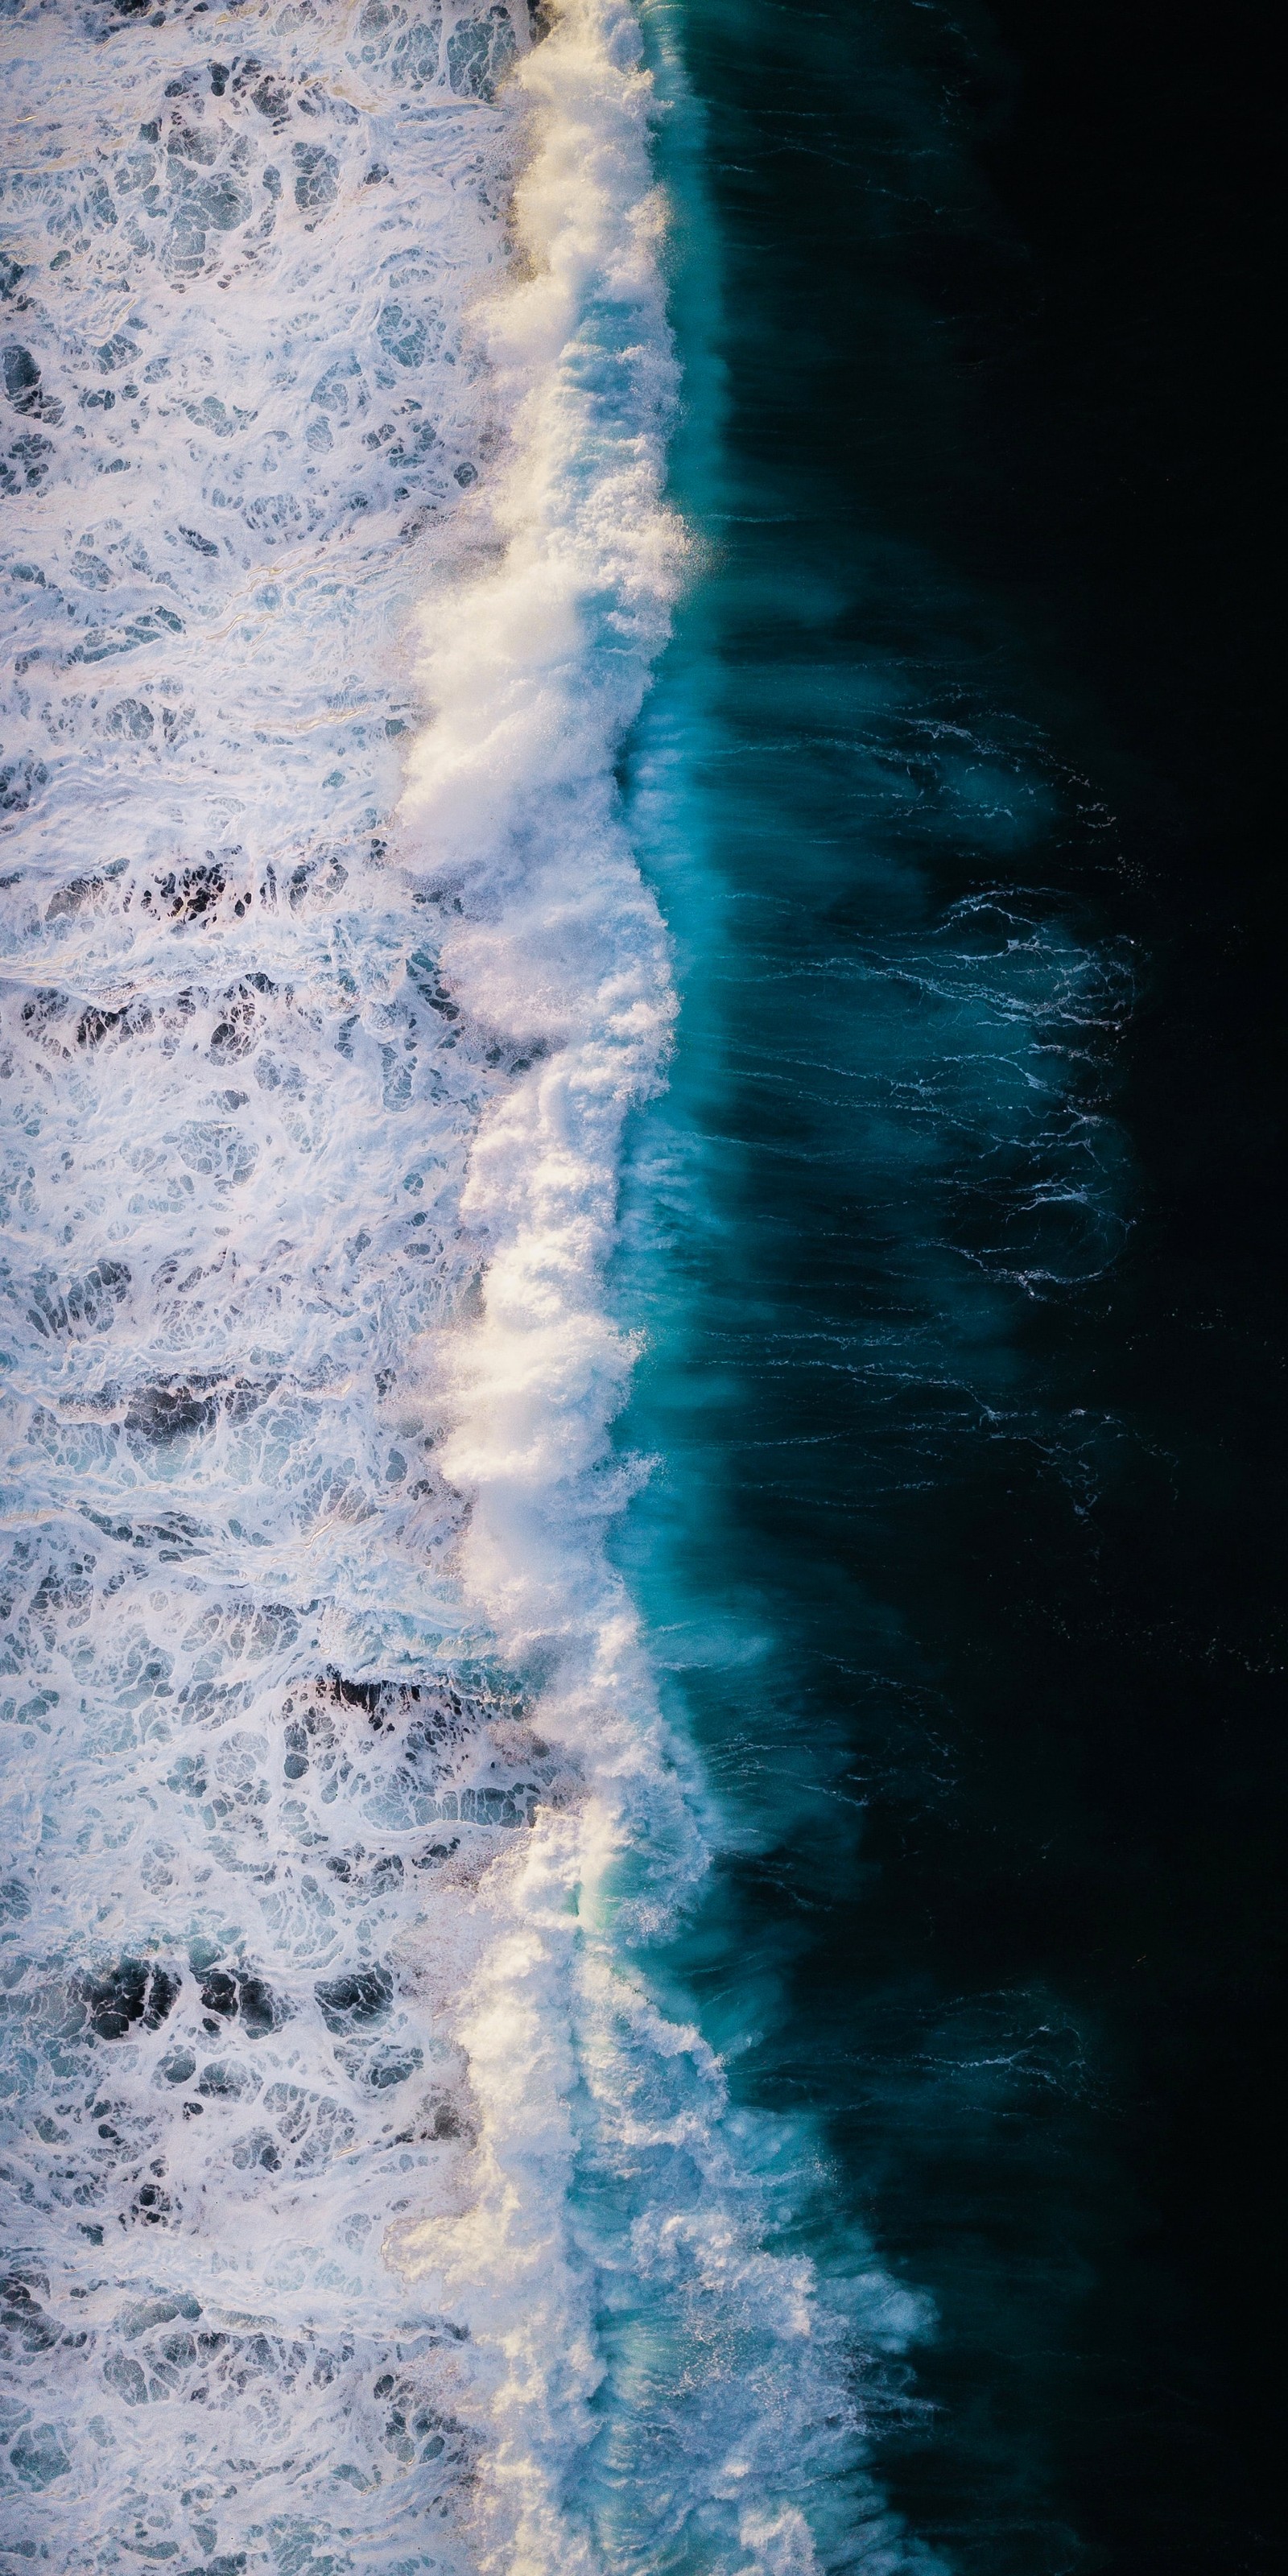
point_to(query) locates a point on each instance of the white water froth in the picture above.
(363, 2212)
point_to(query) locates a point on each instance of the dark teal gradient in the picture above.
(933, 1554)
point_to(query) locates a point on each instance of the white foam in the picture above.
(365, 2211)
(646, 2194)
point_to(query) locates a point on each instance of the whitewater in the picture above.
(364, 2208)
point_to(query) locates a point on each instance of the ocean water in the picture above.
(888, 1161)
(568, 1170)
(366, 2209)
(951, 1242)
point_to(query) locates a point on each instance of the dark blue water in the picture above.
(964, 1359)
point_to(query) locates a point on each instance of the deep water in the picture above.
(953, 1241)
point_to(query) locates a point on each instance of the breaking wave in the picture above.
(364, 2210)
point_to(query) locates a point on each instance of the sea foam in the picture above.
(364, 2208)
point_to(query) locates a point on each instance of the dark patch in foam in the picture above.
(351, 2002)
(241, 1996)
(185, 1408)
(23, 2322)
(136, 1993)
(89, 1305)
